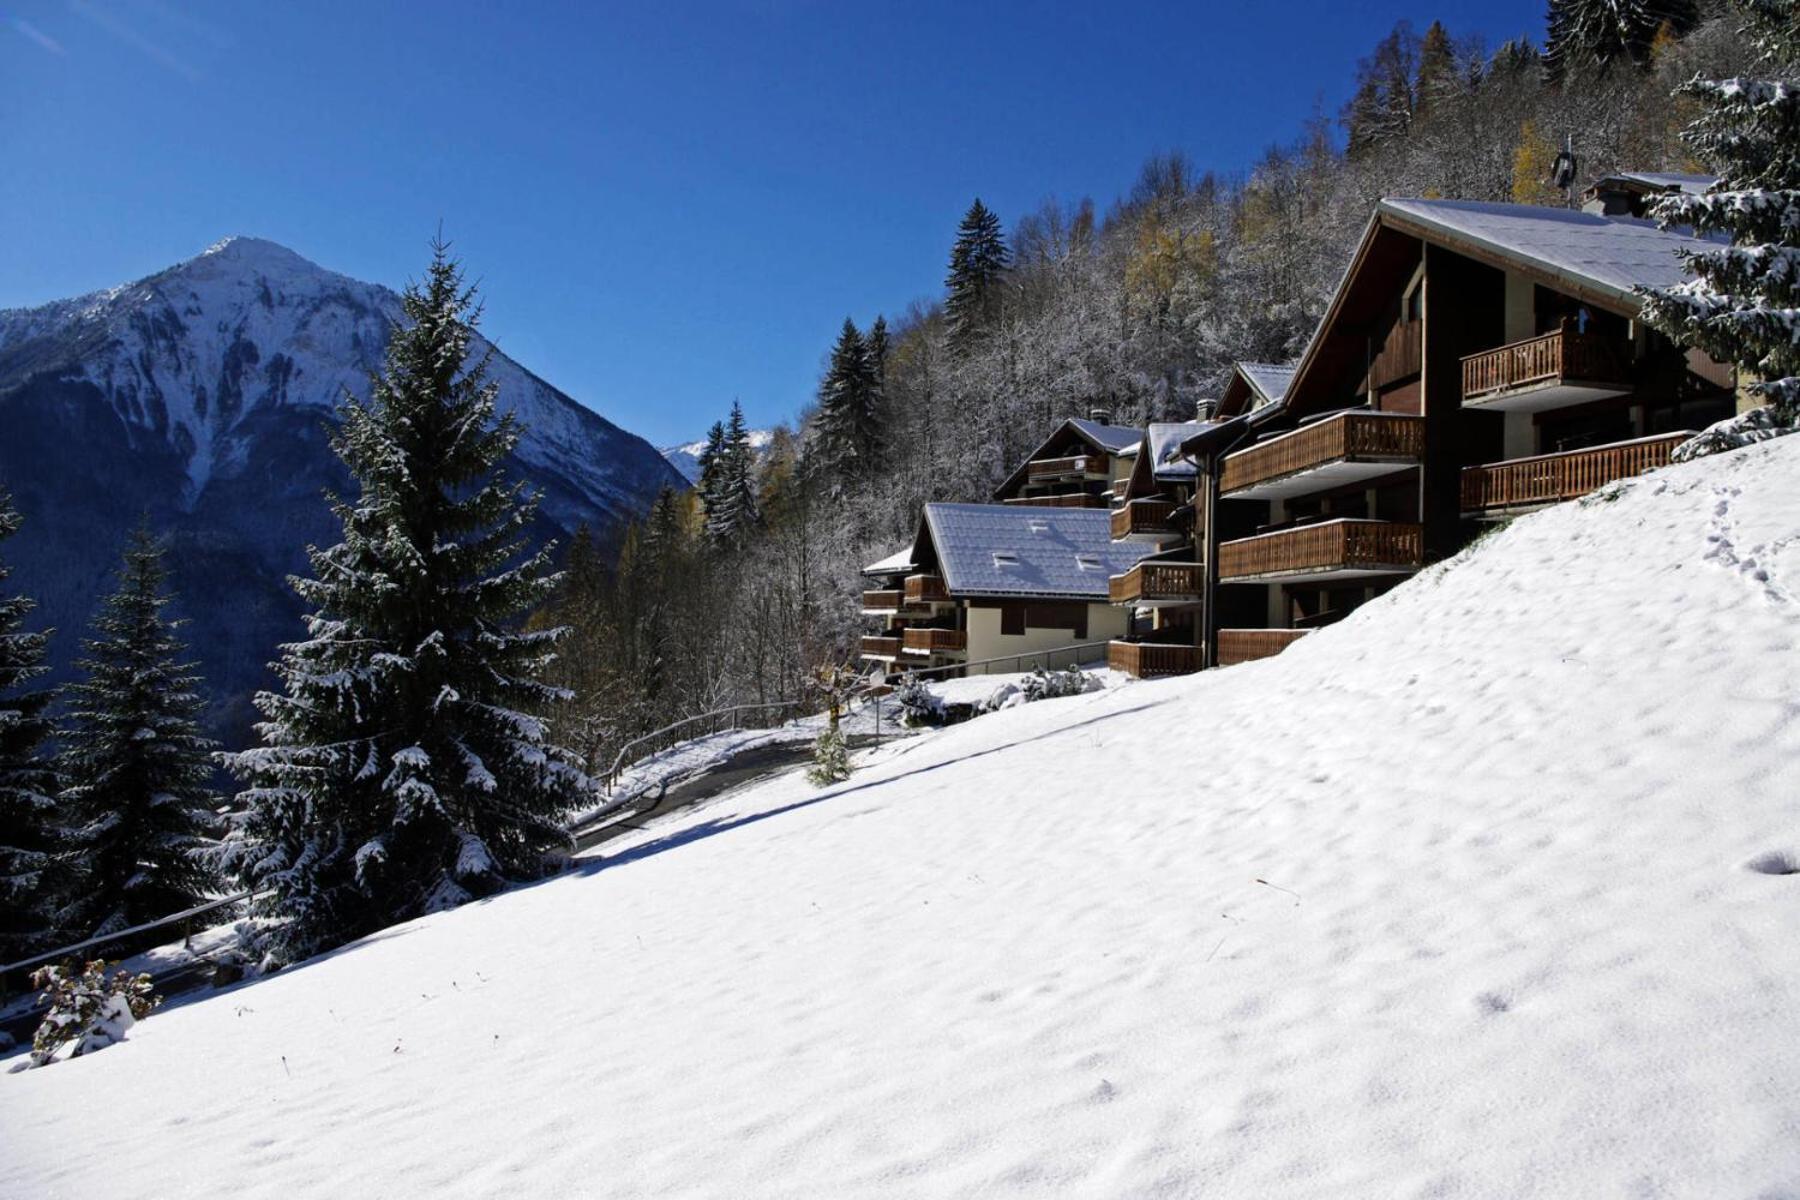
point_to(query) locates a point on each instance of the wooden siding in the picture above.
(1243, 645)
(1168, 581)
(1142, 517)
(885, 600)
(881, 647)
(1550, 478)
(934, 641)
(1346, 436)
(1077, 464)
(1553, 357)
(1150, 660)
(926, 589)
(1399, 357)
(1331, 545)
(1063, 500)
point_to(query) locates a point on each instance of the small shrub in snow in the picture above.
(1051, 685)
(88, 1009)
(919, 705)
(831, 760)
(1745, 429)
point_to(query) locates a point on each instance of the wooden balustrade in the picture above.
(1327, 548)
(934, 641)
(1550, 478)
(1151, 660)
(885, 600)
(1400, 356)
(1156, 582)
(1061, 500)
(881, 647)
(1243, 645)
(1552, 357)
(926, 589)
(1348, 437)
(1075, 464)
(1143, 518)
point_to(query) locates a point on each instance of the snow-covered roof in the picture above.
(899, 562)
(1165, 447)
(1114, 439)
(1614, 255)
(1693, 185)
(1269, 380)
(1024, 550)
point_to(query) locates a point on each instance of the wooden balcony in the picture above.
(1157, 584)
(1076, 466)
(1326, 552)
(885, 648)
(1341, 450)
(1151, 660)
(885, 601)
(1399, 358)
(1552, 371)
(926, 589)
(933, 641)
(1060, 500)
(1243, 645)
(1144, 520)
(1523, 483)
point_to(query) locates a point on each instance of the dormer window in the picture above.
(1089, 562)
(1006, 558)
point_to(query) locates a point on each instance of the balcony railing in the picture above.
(1345, 447)
(1550, 478)
(1152, 660)
(1157, 583)
(1342, 547)
(1399, 357)
(886, 600)
(934, 641)
(1143, 519)
(881, 647)
(1566, 365)
(1060, 468)
(926, 589)
(1061, 500)
(1243, 645)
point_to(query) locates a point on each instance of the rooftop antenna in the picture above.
(1562, 171)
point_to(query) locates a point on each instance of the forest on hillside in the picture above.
(739, 590)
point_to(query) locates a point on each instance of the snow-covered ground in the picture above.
(1478, 893)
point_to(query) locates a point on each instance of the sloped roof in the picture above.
(1115, 439)
(1613, 255)
(895, 563)
(1269, 380)
(1693, 185)
(1044, 543)
(1165, 446)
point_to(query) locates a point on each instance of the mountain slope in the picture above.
(1474, 894)
(197, 396)
(685, 458)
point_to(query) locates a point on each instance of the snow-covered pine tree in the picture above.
(977, 260)
(877, 344)
(1743, 304)
(30, 833)
(712, 467)
(134, 765)
(1597, 35)
(736, 511)
(404, 769)
(848, 445)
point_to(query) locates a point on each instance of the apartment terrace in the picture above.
(1525, 483)
(1550, 371)
(925, 642)
(1072, 469)
(1244, 645)
(1151, 660)
(1342, 549)
(1155, 584)
(1344, 449)
(1144, 520)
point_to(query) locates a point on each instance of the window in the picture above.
(1006, 558)
(1088, 562)
(1012, 620)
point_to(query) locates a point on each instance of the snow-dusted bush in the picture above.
(87, 1008)
(919, 705)
(1051, 685)
(1745, 429)
(831, 759)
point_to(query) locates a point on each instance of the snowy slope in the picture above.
(197, 396)
(686, 457)
(1466, 896)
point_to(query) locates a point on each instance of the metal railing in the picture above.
(1037, 658)
(117, 935)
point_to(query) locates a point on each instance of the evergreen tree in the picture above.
(977, 261)
(402, 770)
(1384, 103)
(712, 466)
(30, 837)
(736, 513)
(1438, 78)
(1597, 35)
(878, 351)
(1743, 303)
(848, 430)
(135, 768)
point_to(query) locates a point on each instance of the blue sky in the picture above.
(667, 206)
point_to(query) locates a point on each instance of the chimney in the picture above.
(1100, 416)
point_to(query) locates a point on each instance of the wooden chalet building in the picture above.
(1080, 465)
(988, 581)
(1477, 361)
